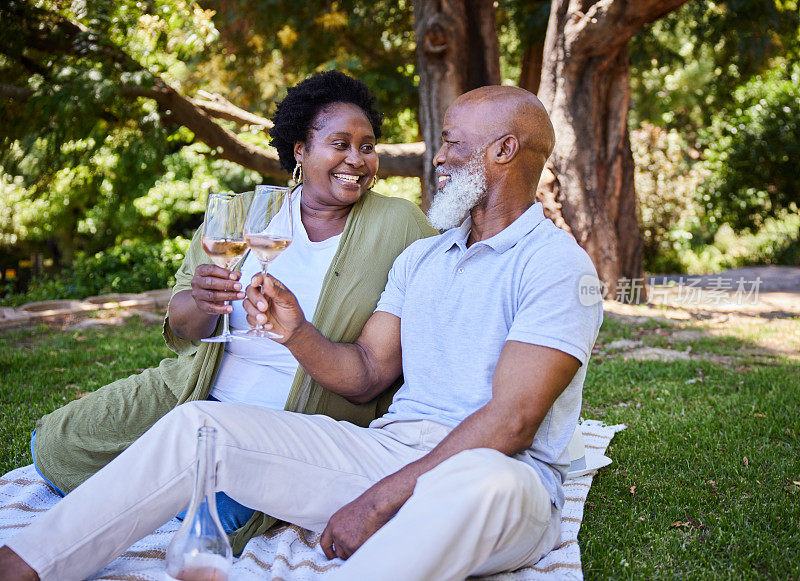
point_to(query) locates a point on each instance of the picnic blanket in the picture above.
(290, 553)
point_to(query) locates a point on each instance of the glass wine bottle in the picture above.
(200, 550)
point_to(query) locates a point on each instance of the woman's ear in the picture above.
(506, 148)
(299, 147)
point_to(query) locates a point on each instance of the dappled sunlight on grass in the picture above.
(703, 480)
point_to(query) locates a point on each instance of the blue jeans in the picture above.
(232, 515)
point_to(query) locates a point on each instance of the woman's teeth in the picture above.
(351, 179)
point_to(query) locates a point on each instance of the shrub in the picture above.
(132, 267)
(776, 242)
(666, 181)
(753, 151)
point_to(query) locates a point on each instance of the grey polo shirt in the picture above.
(458, 306)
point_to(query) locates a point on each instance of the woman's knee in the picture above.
(188, 415)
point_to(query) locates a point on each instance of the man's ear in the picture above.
(506, 148)
(299, 148)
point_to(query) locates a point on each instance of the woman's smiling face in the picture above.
(339, 158)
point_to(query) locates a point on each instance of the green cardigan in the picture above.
(377, 230)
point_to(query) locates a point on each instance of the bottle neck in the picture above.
(206, 474)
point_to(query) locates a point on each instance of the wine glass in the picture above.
(268, 231)
(223, 241)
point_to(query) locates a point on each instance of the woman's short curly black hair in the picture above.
(294, 115)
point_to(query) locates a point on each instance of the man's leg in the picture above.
(295, 467)
(477, 513)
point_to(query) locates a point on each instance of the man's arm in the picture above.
(357, 371)
(527, 380)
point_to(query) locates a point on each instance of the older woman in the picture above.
(347, 238)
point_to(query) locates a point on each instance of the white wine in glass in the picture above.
(224, 252)
(223, 241)
(268, 231)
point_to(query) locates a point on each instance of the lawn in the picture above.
(705, 481)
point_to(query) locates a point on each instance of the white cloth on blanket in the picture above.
(290, 553)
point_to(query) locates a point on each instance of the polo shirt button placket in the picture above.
(460, 270)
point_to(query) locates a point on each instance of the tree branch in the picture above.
(608, 25)
(51, 33)
(219, 107)
(13, 92)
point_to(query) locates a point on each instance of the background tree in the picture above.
(457, 51)
(117, 123)
(586, 88)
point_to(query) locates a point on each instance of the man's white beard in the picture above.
(464, 190)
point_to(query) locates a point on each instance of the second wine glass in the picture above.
(268, 231)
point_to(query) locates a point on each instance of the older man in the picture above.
(463, 474)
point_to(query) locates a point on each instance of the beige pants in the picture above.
(476, 513)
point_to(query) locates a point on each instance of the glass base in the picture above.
(257, 334)
(224, 338)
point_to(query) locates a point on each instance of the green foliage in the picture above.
(667, 179)
(175, 203)
(133, 267)
(685, 67)
(289, 40)
(776, 242)
(397, 187)
(677, 233)
(753, 151)
(80, 148)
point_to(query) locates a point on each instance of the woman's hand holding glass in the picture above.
(213, 287)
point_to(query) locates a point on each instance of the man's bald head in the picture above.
(496, 141)
(499, 110)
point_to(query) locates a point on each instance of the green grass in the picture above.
(44, 368)
(698, 510)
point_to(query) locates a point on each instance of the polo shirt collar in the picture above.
(504, 239)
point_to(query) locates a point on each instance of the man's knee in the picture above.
(481, 473)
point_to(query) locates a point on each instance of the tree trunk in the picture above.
(530, 74)
(588, 182)
(457, 50)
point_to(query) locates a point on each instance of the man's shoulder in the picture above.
(424, 246)
(549, 244)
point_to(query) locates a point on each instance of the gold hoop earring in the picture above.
(297, 174)
(374, 182)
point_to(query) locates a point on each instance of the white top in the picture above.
(261, 371)
(459, 306)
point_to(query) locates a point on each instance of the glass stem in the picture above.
(226, 330)
(264, 268)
